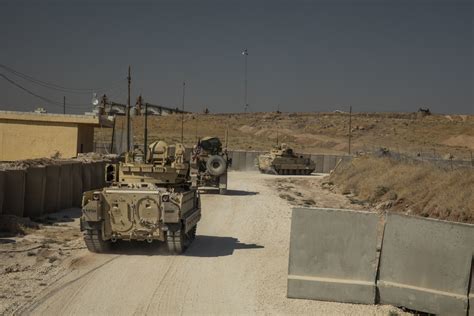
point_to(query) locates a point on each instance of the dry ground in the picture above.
(237, 265)
(317, 132)
(418, 189)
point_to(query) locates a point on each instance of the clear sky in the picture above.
(303, 55)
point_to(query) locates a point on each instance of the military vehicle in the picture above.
(148, 197)
(282, 160)
(209, 164)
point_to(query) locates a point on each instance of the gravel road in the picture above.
(237, 265)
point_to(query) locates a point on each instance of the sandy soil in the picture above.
(237, 265)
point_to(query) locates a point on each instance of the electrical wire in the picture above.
(55, 86)
(49, 101)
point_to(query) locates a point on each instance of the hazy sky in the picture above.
(303, 55)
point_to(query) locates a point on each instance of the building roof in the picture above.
(57, 118)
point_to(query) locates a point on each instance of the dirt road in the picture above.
(237, 265)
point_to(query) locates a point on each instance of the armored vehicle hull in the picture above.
(209, 164)
(281, 160)
(146, 201)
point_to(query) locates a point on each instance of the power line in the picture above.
(55, 86)
(49, 101)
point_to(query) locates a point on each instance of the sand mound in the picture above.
(460, 141)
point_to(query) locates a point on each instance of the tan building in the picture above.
(27, 135)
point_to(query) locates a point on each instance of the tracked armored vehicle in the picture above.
(148, 198)
(282, 160)
(209, 164)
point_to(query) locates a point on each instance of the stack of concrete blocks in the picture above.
(424, 265)
(39, 190)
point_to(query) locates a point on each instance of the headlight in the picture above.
(165, 198)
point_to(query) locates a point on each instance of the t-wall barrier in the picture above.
(38, 190)
(333, 255)
(425, 264)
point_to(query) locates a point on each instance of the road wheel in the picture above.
(179, 241)
(94, 241)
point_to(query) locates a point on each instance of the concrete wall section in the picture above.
(2, 189)
(86, 176)
(77, 188)
(425, 264)
(35, 191)
(319, 161)
(242, 160)
(329, 162)
(333, 255)
(65, 200)
(51, 197)
(14, 195)
(471, 292)
(250, 161)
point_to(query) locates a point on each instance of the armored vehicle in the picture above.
(209, 164)
(148, 197)
(282, 160)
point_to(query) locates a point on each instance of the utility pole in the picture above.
(350, 128)
(246, 105)
(182, 114)
(128, 111)
(64, 105)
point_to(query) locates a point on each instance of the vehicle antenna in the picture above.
(182, 114)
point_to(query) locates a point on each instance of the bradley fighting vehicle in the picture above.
(148, 198)
(209, 164)
(282, 160)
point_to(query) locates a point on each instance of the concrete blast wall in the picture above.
(35, 191)
(14, 195)
(86, 177)
(38, 190)
(65, 191)
(333, 255)
(77, 187)
(426, 264)
(52, 194)
(14, 192)
(2, 189)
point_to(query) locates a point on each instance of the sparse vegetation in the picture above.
(419, 189)
(435, 135)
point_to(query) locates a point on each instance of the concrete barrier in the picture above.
(2, 189)
(333, 255)
(471, 291)
(329, 162)
(14, 203)
(65, 197)
(250, 164)
(425, 264)
(319, 161)
(97, 175)
(35, 189)
(86, 176)
(242, 160)
(77, 188)
(52, 192)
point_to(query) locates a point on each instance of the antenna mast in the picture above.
(128, 111)
(182, 114)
